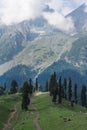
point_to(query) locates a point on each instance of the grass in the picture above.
(52, 116)
(22, 120)
(6, 106)
(25, 120)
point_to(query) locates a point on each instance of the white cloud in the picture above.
(66, 10)
(62, 6)
(14, 11)
(60, 22)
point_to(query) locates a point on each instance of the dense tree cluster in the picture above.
(63, 88)
(58, 87)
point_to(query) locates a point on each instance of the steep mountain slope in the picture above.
(36, 57)
(79, 17)
(20, 73)
(41, 53)
(12, 39)
(71, 64)
(78, 54)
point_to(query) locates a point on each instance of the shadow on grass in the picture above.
(31, 110)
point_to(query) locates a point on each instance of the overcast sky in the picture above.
(15, 11)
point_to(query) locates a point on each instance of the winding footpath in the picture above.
(37, 115)
(36, 119)
(11, 116)
(8, 125)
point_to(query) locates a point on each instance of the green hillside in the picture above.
(51, 117)
(7, 103)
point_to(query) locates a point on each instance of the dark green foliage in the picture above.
(14, 87)
(70, 89)
(25, 88)
(1, 90)
(53, 87)
(25, 96)
(47, 87)
(31, 86)
(65, 88)
(75, 93)
(55, 93)
(72, 103)
(60, 91)
(83, 95)
(52, 83)
(36, 85)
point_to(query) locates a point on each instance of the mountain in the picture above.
(12, 39)
(79, 17)
(78, 54)
(20, 73)
(66, 70)
(39, 55)
(33, 49)
(72, 63)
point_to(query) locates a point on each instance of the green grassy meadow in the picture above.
(51, 115)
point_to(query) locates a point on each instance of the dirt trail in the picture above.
(36, 119)
(8, 123)
(37, 116)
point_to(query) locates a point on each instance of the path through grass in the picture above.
(52, 116)
(6, 107)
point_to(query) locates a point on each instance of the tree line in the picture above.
(26, 91)
(59, 89)
(63, 88)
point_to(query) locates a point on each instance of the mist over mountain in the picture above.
(34, 48)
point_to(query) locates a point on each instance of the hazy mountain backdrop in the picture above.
(33, 48)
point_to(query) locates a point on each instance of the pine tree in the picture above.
(52, 83)
(83, 95)
(36, 84)
(70, 89)
(25, 96)
(55, 92)
(75, 93)
(65, 88)
(31, 86)
(14, 87)
(60, 91)
(47, 86)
